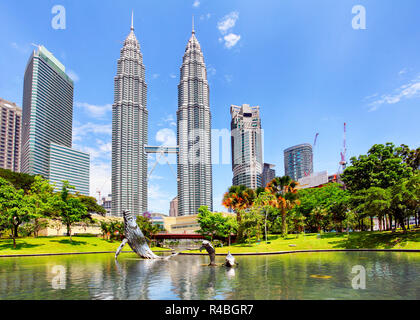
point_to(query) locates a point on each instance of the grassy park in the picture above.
(50, 245)
(354, 240)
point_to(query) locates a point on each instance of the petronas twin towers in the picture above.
(130, 128)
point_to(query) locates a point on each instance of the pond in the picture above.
(389, 275)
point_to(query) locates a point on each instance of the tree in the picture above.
(382, 167)
(91, 205)
(405, 199)
(286, 197)
(214, 224)
(410, 157)
(264, 203)
(69, 209)
(18, 179)
(229, 227)
(147, 227)
(251, 224)
(238, 198)
(374, 201)
(41, 197)
(14, 208)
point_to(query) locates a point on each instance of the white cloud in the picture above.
(211, 71)
(231, 40)
(94, 110)
(80, 131)
(100, 179)
(155, 75)
(167, 120)
(166, 137)
(205, 16)
(403, 71)
(158, 199)
(228, 78)
(173, 76)
(102, 150)
(25, 49)
(225, 25)
(407, 91)
(73, 75)
(228, 22)
(196, 3)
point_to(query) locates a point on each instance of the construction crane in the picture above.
(306, 173)
(342, 164)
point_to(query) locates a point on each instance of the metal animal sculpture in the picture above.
(210, 250)
(230, 260)
(135, 239)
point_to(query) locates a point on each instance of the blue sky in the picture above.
(300, 61)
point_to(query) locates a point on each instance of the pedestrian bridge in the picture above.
(161, 149)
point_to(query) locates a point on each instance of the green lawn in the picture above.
(355, 240)
(60, 245)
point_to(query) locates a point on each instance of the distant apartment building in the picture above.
(298, 161)
(106, 203)
(47, 124)
(268, 174)
(314, 180)
(173, 207)
(247, 158)
(10, 135)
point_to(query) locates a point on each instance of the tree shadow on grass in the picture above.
(73, 242)
(5, 245)
(372, 240)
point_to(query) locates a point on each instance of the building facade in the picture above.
(268, 174)
(173, 207)
(47, 111)
(298, 161)
(247, 158)
(106, 203)
(10, 135)
(70, 165)
(194, 133)
(47, 119)
(129, 131)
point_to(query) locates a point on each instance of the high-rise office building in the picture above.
(173, 208)
(129, 131)
(10, 133)
(47, 121)
(268, 174)
(194, 133)
(298, 161)
(71, 165)
(247, 158)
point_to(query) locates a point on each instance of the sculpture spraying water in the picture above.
(230, 260)
(210, 250)
(135, 239)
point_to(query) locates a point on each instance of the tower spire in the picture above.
(132, 20)
(193, 31)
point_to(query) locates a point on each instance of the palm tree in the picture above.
(285, 191)
(238, 198)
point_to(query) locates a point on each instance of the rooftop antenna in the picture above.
(132, 20)
(193, 31)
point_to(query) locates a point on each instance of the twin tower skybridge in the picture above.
(161, 152)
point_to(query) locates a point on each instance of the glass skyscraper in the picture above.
(71, 165)
(129, 131)
(298, 161)
(194, 133)
(247, 158)
(47, 116)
